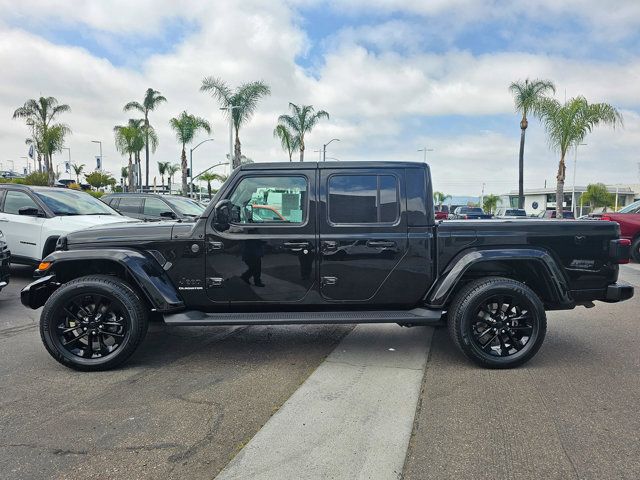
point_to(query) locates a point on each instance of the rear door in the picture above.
(363, 232)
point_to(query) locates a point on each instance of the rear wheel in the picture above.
(93, 323)
(635, 250)
(497, 322)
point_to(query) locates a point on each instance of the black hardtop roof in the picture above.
(143, 194)
(330, 165)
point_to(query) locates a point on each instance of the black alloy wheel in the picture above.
(93, 323)
(497, 322)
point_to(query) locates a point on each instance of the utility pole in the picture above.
(482, 196)
(425, 150)
(573, 191)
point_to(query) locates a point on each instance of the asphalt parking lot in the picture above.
(191, 398)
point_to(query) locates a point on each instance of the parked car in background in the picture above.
(154, 207)
(5, 260)
(65, 182)
(469, 213)
(441, 212)
(567, 214)
(629, 220)
(8, 175)
(505, 212)
(32, 218)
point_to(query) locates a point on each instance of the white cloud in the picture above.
(371, 97)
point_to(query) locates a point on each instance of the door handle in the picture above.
(215, 246)
(296, 246)
(380, 244)
(329, 245)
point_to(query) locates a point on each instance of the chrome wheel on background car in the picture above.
(497, 322)
(93, 323)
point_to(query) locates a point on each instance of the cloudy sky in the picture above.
(394, 75)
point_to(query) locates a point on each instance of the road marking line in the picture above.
(352, 418)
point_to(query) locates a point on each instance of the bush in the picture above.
(35, 178)
(95, 193)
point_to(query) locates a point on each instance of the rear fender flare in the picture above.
(146, 272)
(439, 294)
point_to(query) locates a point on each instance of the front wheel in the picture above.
(93, 323)
(497, 322)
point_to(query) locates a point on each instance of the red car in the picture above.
(629, 220)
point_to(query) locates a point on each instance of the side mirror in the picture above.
(222, 212)
(29, 211)
(168, 214)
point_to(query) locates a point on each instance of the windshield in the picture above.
(516, 213)
(632, 208)
(71, 202)
(186, 206)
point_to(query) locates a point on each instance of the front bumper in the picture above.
(618, 292)
(36, 293)
(5, 261)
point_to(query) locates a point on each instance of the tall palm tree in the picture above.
(187, 127)
(302, 121)
(129, 139)
(39, 115)
(171, 171)
(525, 95)
(78, 169)
(567, 124)
(212, 177)
(152, 99)
(288, 140)
(163, 168)
(440, 198)
(240, 103)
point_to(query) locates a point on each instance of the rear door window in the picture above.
(360, 199)
(130, 205)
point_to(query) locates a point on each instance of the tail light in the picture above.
(620, 250)
(606, 218)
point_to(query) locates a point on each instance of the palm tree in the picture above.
(77, 169)
(240, 103)
(124, 173)
(129, 141)
(171, 171)
(212, 177)
(186, 127)
(152, 99)
(440, 198)
(163, 168)
(302, 121)
(525, 95)
(288, 140)
(567, 124)
(490, 202)
(49, 137)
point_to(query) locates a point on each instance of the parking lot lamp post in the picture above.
(191, 165)
(425, 150)
(324, 148)
(28, 165)
(68, 161)
(573, 190)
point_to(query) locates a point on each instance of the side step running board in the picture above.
(417, 316)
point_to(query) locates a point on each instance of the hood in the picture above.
(123, 233)
(77, 222)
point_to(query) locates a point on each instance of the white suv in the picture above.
(32, 218)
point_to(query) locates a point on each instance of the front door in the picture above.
(267, 253)
(363, 233)
(22, 232)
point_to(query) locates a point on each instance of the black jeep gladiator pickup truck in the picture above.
(343, 242)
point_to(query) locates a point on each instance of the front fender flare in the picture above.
(145, 271)
(442, 289)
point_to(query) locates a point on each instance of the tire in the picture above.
(497, 322)
(93, 323)
(635, 250)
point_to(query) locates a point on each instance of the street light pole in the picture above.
(324, 148)
(425, 150)
(191, 165)
(573, 191)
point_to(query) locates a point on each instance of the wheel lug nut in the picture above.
(85, 329)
